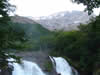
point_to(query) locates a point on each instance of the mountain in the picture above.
(23, 20)
(32, 29)
(34, 32)
(64, 20)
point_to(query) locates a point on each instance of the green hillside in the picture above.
(34, 32)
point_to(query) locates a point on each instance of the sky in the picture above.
(38, 8)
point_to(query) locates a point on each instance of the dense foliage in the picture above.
(81, 46)
(36, 35)
(8, 36)
(90, 4)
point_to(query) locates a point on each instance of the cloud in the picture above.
(38, 8)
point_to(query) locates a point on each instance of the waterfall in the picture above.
(61, 66)
(27, 68)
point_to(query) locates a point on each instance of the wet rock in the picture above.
(7, 71)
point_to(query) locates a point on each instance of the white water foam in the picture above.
(61, 65)
(27, 68)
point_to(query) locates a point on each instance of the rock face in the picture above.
(40, 57)
(64, 20)
(7, 71)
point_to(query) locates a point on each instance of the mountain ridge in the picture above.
(32, 29)
(64, 20)
(22, 19)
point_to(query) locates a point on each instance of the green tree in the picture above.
(81, 46)
(7, 34)
(93, 33)
(90, 4)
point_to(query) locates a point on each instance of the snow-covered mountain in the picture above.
(64, 20)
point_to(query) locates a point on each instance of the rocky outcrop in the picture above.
(7, 71)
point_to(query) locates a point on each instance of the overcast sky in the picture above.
(37, 8)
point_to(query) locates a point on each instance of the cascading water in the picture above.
(61, 65)
(27, 68)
